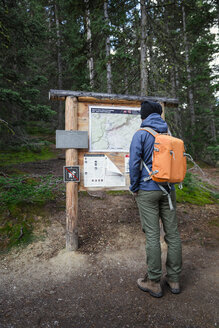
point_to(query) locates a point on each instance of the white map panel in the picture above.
(112, 128)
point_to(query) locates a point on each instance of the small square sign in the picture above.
(71, 173)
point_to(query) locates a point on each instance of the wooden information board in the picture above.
(118, 158)
(112, 166)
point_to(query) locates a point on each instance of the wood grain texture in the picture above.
(60, 94)
(163, 110)
(71, 155)
(109, 101)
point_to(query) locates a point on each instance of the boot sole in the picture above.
(157, 295)
(173, 290)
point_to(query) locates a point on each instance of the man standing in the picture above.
(153, 204)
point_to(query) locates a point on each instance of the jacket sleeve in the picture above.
(135, 162)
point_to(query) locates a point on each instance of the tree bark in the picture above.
(108, 59)
(60, 67)
(188, 70)
(62, 94)
(90, 61)
(175, 85)
(143, 66)
(48, 12)
(152, 70)
(212, 126)
(71, 155)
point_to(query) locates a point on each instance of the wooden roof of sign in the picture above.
(108, 98)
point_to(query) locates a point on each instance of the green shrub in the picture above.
(26, 189)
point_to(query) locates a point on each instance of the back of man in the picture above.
(153, 204)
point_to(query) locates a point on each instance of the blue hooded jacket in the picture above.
(141, 147)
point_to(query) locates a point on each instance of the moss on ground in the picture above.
(17, 225)
(23, 200)
(24, 156)
(195, 192)
(197, 196)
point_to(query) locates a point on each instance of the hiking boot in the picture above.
(150, 286)
(173, 287)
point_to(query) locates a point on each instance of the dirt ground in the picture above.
(42, 285)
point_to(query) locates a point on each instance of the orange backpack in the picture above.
(168, 159)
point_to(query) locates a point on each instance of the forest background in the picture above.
(150, 48)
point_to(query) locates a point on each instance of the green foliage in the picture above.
(195, 192)
(39, 128)
(25, 189)
(44, 45)
(21, 200)
(213, 151)
(5, 125)
(23, 76)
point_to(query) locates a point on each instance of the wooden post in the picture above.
(71, 157)
(163, 108)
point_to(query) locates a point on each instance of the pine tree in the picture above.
(21, 64)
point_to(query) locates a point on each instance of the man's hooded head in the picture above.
(149, 107)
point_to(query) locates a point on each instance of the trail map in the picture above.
(112, 128)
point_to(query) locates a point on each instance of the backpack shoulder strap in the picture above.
(151, 131)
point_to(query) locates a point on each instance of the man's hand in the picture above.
(134, 193)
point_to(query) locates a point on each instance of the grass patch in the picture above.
(22, 203)
(24, 156)
(17, 225)
(195, 192)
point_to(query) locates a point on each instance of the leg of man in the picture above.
(148, 204)
(172, 238)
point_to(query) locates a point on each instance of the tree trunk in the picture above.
(108, 59)
(143, 66)
(175, 85)
(60, 68)
(48, 12)
(188, 70)
(212, 126)
(126, 84)
(152, 70)
(90, 61)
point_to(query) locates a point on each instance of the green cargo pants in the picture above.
(152, 206)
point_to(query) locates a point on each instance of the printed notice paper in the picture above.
(100, 171)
